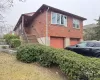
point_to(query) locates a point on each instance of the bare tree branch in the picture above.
(5, 5)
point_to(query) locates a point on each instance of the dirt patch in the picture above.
(11, 69)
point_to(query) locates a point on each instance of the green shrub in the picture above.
(2, 40)
(27, 53)
(15, 43)
(4, 47)
(75, 66)
(8, 37)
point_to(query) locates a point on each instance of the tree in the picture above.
(97, 29)
(89, 34)
(5, 5)
(94, 32)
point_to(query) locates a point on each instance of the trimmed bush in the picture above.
(75, 66)
(8, 37)
(15, 43)
(27, 53)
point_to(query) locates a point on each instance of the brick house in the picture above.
(50, 26)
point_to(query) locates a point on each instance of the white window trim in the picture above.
(60, 20)
(79, 23)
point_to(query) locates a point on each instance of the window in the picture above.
(59, 19)
(53, 18)
(82, 44)
(76, 23)
(93, 44)
(65, 20)
(62, 19)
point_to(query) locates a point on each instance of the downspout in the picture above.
(46, 41)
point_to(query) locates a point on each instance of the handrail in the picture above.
(26, 35)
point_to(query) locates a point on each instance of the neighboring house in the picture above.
(51, 27)
(89, 26)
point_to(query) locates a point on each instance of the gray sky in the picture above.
(89, 9)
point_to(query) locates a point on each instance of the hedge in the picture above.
(8, 37)
(75, 66)
(15, 43)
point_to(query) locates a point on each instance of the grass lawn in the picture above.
(11, 69)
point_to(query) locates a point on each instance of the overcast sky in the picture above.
(89, 9)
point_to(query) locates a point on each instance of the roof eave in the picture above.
(82, 18)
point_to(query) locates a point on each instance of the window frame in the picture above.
(65, 24)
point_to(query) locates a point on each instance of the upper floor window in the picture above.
(57, 18)
(76, 23)
(54, 18)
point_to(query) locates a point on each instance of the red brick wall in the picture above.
(39, 24)
(28, 30)
(62, 31)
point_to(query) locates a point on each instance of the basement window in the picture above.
(59, 19)
(76, 23)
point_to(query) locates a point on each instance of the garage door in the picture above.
(57, 42)
(74, 41)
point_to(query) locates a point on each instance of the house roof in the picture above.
(32, 15)
(27, 15)
(90, 26)
(64, 12)
(56, 10)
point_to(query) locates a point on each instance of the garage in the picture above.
(74, 41)
(57, 42)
